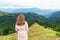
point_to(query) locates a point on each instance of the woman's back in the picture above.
(21, 28)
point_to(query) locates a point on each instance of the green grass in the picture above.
(9, 37)
(1, 14)
(36, 32)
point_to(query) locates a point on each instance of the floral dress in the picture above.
(23, 31)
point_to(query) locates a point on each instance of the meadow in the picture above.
(36, 32)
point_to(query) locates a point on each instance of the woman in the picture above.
(22, 27)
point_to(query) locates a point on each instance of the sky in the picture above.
(41, 4)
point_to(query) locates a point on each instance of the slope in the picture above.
(36, 32)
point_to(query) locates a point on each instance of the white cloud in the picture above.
(42, 4)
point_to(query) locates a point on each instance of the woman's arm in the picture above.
(26, 26)
(16, 28)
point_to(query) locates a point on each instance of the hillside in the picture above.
(36, 32)
(54, 14)
(8, 20)
(55, 18)
(54, 21)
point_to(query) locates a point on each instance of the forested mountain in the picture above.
(8, 20)
(54, 15)
(54, 20)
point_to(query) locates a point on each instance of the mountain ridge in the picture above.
(25, 10)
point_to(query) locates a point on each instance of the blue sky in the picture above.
(41, 4)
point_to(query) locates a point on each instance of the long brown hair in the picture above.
(20, 19)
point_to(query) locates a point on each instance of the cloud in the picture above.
(42, 4)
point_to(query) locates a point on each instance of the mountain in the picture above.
(25, 10)
(46, 12)
(55, 18)
(8, 20)
(49, 12)
(55, 14)
(54, 21)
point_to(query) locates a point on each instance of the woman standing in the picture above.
(22, 27)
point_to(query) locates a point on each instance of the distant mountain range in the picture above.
(54, 15)
(46, 12)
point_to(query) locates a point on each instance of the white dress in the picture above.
(23, 31)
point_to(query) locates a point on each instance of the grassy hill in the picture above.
(36, 32)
